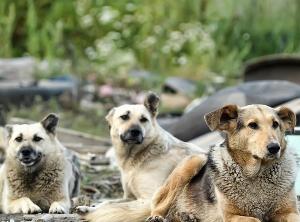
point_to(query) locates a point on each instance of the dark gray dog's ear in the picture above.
(109, 116)
(222, 119)
(50, 123)
(288, 118)
(8, 131)
(152, 102)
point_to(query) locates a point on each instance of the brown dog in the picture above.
(249, 177)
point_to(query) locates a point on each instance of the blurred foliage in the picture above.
(199, 39)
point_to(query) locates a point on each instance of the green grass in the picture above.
(198, 39)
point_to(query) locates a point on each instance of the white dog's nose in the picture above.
(26, 151)
(133, 136)
(135, 132)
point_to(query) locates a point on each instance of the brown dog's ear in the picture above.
(288, 118)
(222, 119)
(109, 116)
(151, 103)
(50, 123)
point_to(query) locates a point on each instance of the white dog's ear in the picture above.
(288, 118)
(50, 123)
(110, 115)
(222, 119)
(152, 102)
(8, 131)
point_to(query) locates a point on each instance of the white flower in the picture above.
(86, 21)
(130, 7)
(149, 41)
(157, 29)
(182, 60)
(91, 53)
(107, 15)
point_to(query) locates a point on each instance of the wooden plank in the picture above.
(84, 138)
(84, 149)
(39, 217)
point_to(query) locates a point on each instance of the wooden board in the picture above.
(39, 217)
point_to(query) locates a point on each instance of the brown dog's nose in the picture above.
(273, 148)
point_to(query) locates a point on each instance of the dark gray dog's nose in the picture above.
(26, 151)
(273, 148)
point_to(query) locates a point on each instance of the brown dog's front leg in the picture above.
(181, 175)
(287, 210)
(290, 217)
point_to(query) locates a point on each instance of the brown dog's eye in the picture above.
(19, 139)
(124, 117)
(37, 139)
(275, 124)
(143, 119)
(253, 125)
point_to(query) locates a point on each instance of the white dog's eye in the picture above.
(37, 139)
(143, 119)
(19, 139)
(124, 117)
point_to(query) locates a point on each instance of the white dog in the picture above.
(38, 174)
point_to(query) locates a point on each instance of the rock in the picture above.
(174, 102)
(177, 93)
(17, 69)
(273, 67)
(40, 217)
(177, 85)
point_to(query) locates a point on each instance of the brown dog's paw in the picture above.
(155, 219)
(187, 217)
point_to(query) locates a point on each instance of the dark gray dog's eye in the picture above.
(124, 117)
(37, 139)
(143, 119)
(253, 125)
(275, 124)
(19, 139)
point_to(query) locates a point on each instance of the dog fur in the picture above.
(38, 174)
(145, 161)
(245, 178)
